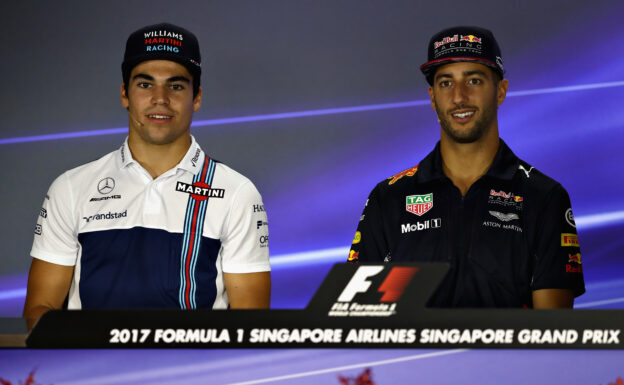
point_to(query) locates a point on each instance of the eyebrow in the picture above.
(172, 79)
(465, 74)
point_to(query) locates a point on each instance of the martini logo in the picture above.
(569, 240)
(419, 204)
(200, 191)
(391, 288)
(408, 172)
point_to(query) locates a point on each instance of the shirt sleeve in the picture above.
(245, 243)
(55, 239)
(557, 263)
(369, 243)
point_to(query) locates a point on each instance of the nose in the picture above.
(460, 94)
(160, 95)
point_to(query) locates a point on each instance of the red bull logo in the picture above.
(470, 38)
(573, 269)
(503, 194)
(408, 172)
(446, 40)
(353, 257)
(576, 258)
(518, 198)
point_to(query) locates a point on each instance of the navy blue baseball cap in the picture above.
(460, 44)
(162, 41)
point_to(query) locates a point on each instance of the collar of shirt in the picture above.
(191, 162)
(505, 164)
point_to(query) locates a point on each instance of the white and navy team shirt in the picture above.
(139, 242)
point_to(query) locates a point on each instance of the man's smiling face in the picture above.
(466, 96)
(160, 102)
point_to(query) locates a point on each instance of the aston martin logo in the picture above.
(504, 217)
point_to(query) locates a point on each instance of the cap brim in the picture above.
(130, 63)
(429, 66)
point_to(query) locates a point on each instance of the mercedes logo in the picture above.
(106, 185)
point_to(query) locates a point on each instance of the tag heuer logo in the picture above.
(419, 204)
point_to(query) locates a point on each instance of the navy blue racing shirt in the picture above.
(512, 233)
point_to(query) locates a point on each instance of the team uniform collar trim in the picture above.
(191, 162)
(504, 166)
(125, 156)
(194, 158)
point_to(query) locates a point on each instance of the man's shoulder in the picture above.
(398, 183)
(233, 181)
(92, 170)
(227, 174)
(534, 179)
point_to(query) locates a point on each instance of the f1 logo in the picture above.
(392, 287)
(359, 282)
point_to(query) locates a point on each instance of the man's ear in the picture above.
(124, 97)
(501, 91)
(197, 100)
(432, 98)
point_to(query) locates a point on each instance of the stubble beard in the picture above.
(467, 134)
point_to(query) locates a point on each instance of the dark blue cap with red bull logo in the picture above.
(459, 44)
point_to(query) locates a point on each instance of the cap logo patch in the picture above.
(163, 33)
(163, 40)
(446, 40)
(471, 38)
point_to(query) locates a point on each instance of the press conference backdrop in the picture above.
(316, 102)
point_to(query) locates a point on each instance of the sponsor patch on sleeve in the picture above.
(408, 172)
(569, 239)
(574, 263)
(357, 238)
(353, 257)
(569, 217)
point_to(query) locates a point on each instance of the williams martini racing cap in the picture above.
(459, 44)
(162, 42)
